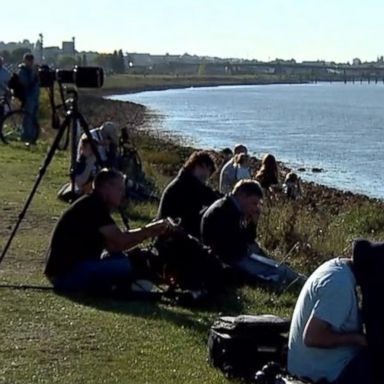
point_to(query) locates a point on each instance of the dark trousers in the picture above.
(98, 276)
(358, 371)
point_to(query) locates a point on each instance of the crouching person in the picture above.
(229, 228)
(326, 341)
(76, 258)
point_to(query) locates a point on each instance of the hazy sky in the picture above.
(263, 29)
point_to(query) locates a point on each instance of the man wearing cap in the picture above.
(326, 340)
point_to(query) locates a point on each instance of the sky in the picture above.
(333, 30)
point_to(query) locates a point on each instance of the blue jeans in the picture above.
(30, 121)
(270, 271)
(103, 276)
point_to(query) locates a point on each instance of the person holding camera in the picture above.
(76, 257)
(228, 172)
(29, 78)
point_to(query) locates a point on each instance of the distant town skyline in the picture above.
(304, 30)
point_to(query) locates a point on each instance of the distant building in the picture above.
(68, 47)
(138, 60)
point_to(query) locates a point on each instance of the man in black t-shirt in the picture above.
(85, 230)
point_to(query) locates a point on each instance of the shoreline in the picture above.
(136, 116)
(285, 166)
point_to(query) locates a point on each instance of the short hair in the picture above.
(200, 158)
(106, 176)
(28, 56)
(248, 187)
(240, 148)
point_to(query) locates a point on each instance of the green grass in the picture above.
(46, 338)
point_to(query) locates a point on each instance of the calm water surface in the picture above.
(336, 127)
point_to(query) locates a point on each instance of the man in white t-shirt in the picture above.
(228, 172)
(326, 340)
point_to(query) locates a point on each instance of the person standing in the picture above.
(4, 79)
(29, 79)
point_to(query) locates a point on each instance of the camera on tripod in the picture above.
(82, 77)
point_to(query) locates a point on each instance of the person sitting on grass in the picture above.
(228, 172)
(268, 174)
(326, 339)
(292, 187)
(188, 194)
(85, 251)
(229, 227)
(185, 260)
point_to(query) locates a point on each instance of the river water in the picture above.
(337, 127)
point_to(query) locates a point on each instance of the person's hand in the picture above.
(163, 227)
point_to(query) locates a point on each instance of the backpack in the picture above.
(17, 87)
(240, 346)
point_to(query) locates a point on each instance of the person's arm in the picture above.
(319, 334)
(116, 240)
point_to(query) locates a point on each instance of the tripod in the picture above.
(74, 123)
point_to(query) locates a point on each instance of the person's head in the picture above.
(28, 59)
(268, 173)
(227, 153)
(367, 261)
(110, 132)
(240, 148)
(291, 177)
(249, 195)
(201, 164)
(1, 61)
(269, 162)
(109, 184)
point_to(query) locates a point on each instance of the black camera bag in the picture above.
(242, 345)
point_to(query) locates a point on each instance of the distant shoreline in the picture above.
(126, 84)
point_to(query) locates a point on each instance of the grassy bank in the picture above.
(47, 338)
(136, 83)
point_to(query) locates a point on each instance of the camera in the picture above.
(82, 77)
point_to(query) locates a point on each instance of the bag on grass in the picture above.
(240, 346)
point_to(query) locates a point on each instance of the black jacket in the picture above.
(185, 197)
(223, 229)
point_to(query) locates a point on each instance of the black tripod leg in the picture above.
(39, 177)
